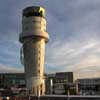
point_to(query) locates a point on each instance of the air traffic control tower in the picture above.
(33, 39)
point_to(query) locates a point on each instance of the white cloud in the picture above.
(7, 69)
(74, 31)
(74, 56)
(76, 45)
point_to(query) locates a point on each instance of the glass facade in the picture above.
(7, 80)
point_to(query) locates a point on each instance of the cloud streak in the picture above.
(8, 69)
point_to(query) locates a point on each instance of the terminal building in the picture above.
(8, 80)
(12, 84)
(57, 83)
(60, 83)
(89, 86)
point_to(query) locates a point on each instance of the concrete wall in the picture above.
(34, 51)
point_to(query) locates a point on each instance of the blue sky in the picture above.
(74, 29)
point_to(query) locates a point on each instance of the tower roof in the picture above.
(34, 11)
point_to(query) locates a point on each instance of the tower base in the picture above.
(37, 87)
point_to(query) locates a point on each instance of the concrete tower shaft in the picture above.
(33, 38)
